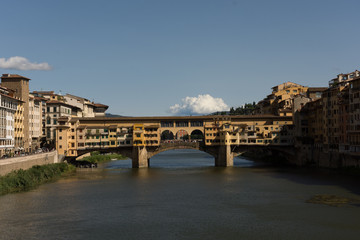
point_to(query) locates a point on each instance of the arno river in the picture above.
(182, 196)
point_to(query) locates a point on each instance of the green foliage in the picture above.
(98, 158)
(247, 109)
(95, 153)
(23, 180)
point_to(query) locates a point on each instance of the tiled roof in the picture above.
(101, 105)
(317, 89)
(9, 76)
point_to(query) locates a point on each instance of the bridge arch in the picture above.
(181, 145)
(124, 151)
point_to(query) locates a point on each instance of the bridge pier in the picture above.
(224, 158)
(140, 157)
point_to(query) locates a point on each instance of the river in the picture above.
(182, 196)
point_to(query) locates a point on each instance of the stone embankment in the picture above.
(10, 164)
(309, 156)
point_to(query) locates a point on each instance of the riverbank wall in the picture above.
(10, 164)
(308, 155)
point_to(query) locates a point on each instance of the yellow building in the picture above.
(146, 135)
(279, 102)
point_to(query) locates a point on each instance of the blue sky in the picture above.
(142, 57)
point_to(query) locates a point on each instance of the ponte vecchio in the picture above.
(140, 138)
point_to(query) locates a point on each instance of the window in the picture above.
(55, 122)
(182, 124)
(196, 123)
(167, 124)
(54, 109)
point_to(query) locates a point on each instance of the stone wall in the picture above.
(307, 155)
(26, 162)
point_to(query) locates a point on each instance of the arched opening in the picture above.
(182, 158)
(197, 135)
(167, 135)
(106, 157)
(182, 135)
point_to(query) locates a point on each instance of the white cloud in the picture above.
(202, 104)
(21, 63)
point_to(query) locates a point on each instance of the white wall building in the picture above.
(8, 106)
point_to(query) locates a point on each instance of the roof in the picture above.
(286, 83)
(44, 92)
(175, 118)
(62, 118)
(11, 76)
(6, 88)
(99, 105)
(54, 102)
(76, 97)
(317, 89)
(354, 79)
(62, 103)
(41, 99)
(58, 102)
(11, 97)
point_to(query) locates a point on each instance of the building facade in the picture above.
(20, 86)
(35, 122)
(8, 106)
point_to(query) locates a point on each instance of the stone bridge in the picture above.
(223, 154)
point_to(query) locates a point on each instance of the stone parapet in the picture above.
(26, 162)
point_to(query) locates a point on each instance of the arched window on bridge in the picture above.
(167, 135)
(182, 135)
(197, 135)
